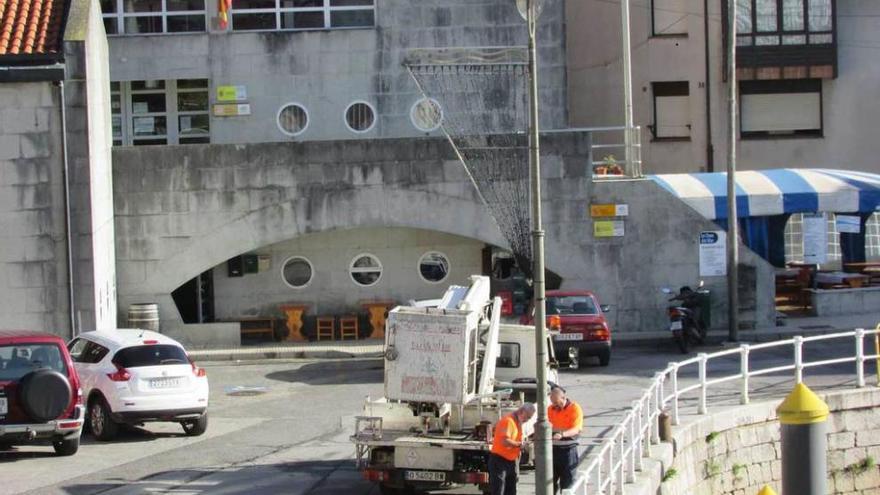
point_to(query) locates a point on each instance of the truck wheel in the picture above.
(605, 358)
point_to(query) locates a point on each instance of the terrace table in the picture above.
(830, 279)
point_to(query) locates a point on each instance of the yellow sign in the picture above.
(231, 109)
(608, 228)
(231, 93)
(610, 210)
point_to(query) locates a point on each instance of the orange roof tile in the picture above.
(31, 27)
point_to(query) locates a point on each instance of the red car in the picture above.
(579, 319)
(40, 394)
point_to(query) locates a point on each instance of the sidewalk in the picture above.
(810, 325)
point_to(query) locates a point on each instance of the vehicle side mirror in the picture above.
(605, 308)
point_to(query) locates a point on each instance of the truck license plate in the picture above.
(675, 325)
(424, 476)
(3, 406)
(569, 336)
(165, 382)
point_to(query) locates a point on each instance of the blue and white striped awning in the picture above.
(777, 191)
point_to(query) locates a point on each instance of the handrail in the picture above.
(620, 455)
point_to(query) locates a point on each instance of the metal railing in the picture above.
(631, 162)
(620, 455)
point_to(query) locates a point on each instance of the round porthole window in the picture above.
(365, 270)
(297, 272)
(360, 116)
(293, 119)
(433, 267)
(426, 115)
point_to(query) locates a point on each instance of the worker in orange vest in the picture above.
(567, 420)
(507, 444)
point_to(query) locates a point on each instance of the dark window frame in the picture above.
(655, 34)
(780, 29)
(513, 364)
(663, 89)
(783, 86)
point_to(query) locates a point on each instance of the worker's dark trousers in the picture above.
(502, 475)
(565, 460)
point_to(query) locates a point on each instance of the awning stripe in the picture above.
(777, 191)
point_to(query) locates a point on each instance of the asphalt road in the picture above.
(292, 436)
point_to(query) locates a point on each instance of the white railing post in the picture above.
(646, 420)
(621, 472)
(704, 359)
(860, 357)
(674, 373)
(635, 437)
(798, 359)
(744, 370)
(658, 407)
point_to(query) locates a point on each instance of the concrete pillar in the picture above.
(803, 417)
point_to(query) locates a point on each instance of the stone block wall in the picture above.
(737, 452)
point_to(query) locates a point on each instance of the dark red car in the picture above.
(580, 322)
(40, 395)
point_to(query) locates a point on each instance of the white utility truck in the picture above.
(451, 372)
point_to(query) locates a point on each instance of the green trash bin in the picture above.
(704, 298)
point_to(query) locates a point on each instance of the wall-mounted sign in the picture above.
(609, 210)
(231, 109)
(231, 93)
(713, 253)
(849, 224)
(608, 228)
(815, 238)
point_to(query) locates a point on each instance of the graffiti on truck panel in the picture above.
(431, 386)
(438, 345)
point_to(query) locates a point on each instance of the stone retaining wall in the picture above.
(736, 452)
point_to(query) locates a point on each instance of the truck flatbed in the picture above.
(410, 439)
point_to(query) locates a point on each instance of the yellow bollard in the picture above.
(766, 491)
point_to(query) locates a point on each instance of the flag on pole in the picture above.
(224, 6)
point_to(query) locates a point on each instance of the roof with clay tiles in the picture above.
(31, 28)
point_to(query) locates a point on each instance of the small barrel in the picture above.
(144, 316)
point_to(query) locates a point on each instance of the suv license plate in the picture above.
(3, 406)
(675, 325)
(569, 336)
(165, 382)
(425, 476)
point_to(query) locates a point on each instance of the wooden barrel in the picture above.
(144, 316)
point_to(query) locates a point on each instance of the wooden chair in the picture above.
(325, 327)
(348, 327)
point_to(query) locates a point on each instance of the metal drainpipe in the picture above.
(710, 148)
(67, 228)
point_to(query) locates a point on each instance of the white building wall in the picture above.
(332, 290)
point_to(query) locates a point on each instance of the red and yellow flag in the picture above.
(223, 6)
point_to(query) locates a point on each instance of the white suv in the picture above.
(134, 376)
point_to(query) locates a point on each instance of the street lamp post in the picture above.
(530, 10)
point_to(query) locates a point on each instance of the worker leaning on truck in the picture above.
(567, 419)
(506, 446)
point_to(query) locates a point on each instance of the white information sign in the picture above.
(849, 224)
(815, 239)
(713, 253)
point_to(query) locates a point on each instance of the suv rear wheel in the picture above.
(102, 426)
(66, 447)
(195, 427)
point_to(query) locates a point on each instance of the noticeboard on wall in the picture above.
(609, 210)
(231, 110)
(608, 228)
(713, 253)
(232, 93)
(815, 238)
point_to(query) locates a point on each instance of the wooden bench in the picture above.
(255, 325)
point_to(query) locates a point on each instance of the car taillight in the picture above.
(599, 332)
(200, 372)
(121, 374)
(150, 342)
(673, 312)
(554, 322)
(79, 396)
(476, 477)
(376, 475)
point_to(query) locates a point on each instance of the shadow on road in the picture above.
(334, 373)
(294, 478)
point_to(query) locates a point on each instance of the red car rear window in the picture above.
(18, 360)
(571, 305)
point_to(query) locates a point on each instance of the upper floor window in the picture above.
(784, 22)
(669, 17)
(265, 15)
(672, 112)
(160, 112)
(153, 16)
(772, 109)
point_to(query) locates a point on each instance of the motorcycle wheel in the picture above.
(682, 341)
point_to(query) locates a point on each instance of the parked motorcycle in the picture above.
(685, 322)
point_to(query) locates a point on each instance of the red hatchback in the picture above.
(582, 329)
(40, 395)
